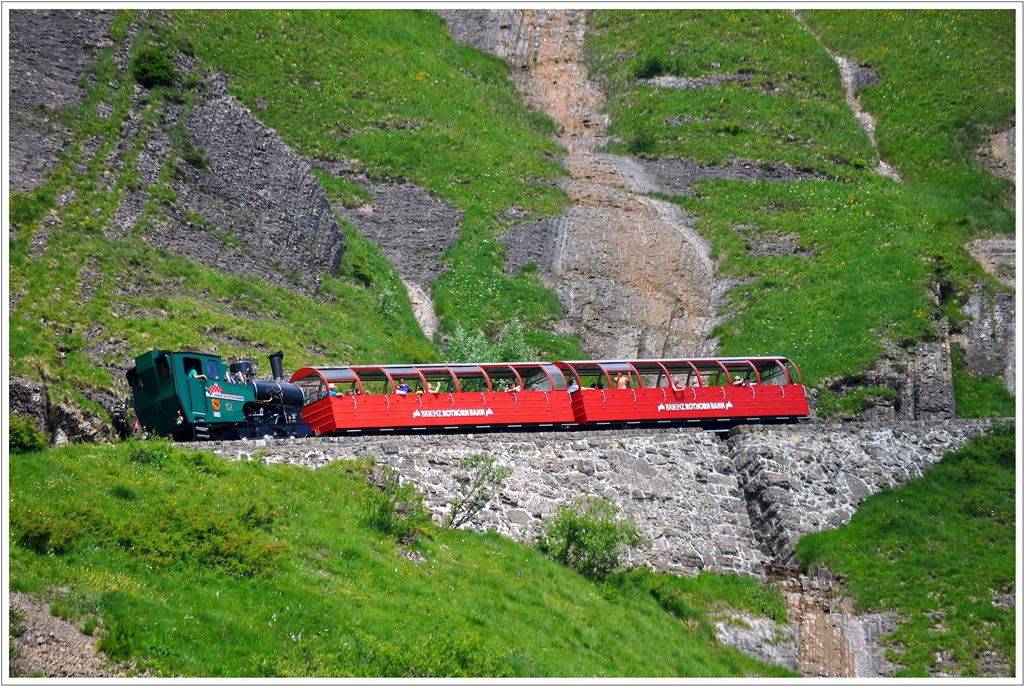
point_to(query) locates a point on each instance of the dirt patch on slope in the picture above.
(997, 256)
(855, 76)
(53, 647)
(998, 153)
(635, 278)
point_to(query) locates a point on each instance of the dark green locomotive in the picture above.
(194, 397)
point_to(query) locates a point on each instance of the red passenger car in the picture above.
(706, 392)
(420, 397)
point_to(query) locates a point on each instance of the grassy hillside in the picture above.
(390, 90)
(947, 79)
(868, 250)
(939, 551)
(202, 567)
(85, 303)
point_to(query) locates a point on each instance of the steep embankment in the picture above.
(444, 117)
(188, 565)
(860, 278)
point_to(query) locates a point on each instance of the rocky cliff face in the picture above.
(50, 52)
(252, 206)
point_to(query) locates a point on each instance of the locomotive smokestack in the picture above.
(276, 366)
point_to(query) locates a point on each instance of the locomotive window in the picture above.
(133, 378)
(162, 367)
(212, 369)
(193, 364)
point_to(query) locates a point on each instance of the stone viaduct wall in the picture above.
(706, 503)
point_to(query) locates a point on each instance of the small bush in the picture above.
(201, 461)
(195, 157)
(588, 537)
(151, 67)
(258, 514)
(16, 622)
(153, 451)
(479, 482)
(393, 510)
(649, 66)
(119, 642)
(25, 437)
(123, 492)
(509, 345)
(196, 536)
(89, 628)
(642, 143)
(44, 531)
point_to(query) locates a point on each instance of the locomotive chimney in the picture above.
(276, 367)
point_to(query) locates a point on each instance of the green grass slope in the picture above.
(947, 79)
(391, 91)
(869, 251)
(940, 551)
(200, 567)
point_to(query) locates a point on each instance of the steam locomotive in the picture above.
(194, 397)
(191, 396)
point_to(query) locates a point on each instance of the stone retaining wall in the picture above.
(811, 478)
(705, 503)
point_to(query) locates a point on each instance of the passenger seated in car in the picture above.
(403, 388)
(738, 381)
(573, 387)
(333, 390)
(621, 381)
(434, 389)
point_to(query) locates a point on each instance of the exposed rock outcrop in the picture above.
(634, 276)
(77, 425)
(50, 52)
(413, 227)
(64, 423)
(998, 153)
(29, 398)
(263, 212)
(989, 343)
